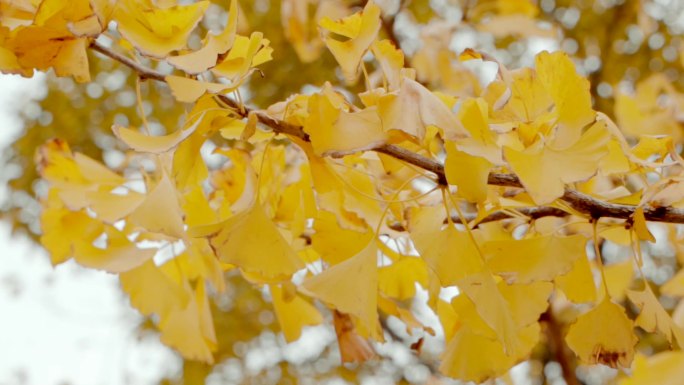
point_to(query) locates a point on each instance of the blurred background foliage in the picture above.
(629, 50)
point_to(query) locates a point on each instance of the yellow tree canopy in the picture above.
(363, 165)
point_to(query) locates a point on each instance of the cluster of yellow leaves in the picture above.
(356, 235)
(56, 34)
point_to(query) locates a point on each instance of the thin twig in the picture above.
(580, 202)
(143, 72)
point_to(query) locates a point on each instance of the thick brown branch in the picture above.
(580, 202)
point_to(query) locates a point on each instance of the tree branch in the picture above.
(580, 202)
(143, 72)
(558, 348)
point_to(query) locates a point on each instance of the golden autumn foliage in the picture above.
(417, 173)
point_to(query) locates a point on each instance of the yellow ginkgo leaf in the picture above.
(67, 170)
(570, 94)
(492, 307)
(578, 284)
(334, 243)
(117, 255)
(42, 47)
(450, 253)
(664, 368)
(153, 144)
(336, 132)
(252, 242)
(474, 116)
(9, 64)
(526, 100)
(108, 207)
(675, 286)
(215, 45)
(412, 108)
(544, 170)
(157, 31)
(190, 330)
(640, 228)
(460, 360)
(604, 335)
(470, 331)
(359, 31)
(652, 317)
(469, 173)
(74, 234)
(351, 287)
(160, 211)
(245, 54)
(153, 292)
(534, 259)
(188, 90)
(527, 301)
(391, 61)
(399, 279)
(294, 313)
(619, 277)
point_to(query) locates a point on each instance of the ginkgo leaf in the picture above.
(353, 347)
(42, 48)
(527, 302)
(153, 144)
(160, 211)
(188, 90)
(156, 31)
(570, 94)
(190, 330)
(245, 54)
(9, 64)
(360, 30)
(118, 254)
(540, 258)
(578, 284)
(450, 253)
(492, 307)
(675, 286)
(153, 292)
(109, 207)
(619, 277)
(525, 99)
(469, 173)
(65, 170)
(215, 45)
(412, 108)
(294, 313)
(334, 243)
(604, 335)
(473, 333)
(336, 132)
(399, 279)
(652, 317)
(544, 171)
(189, 168)
(350, 287)
(474, 116)
(74, 234)
(640, 228)
(391, 61)
(460, 360)
(252, 242)
(664, 368)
